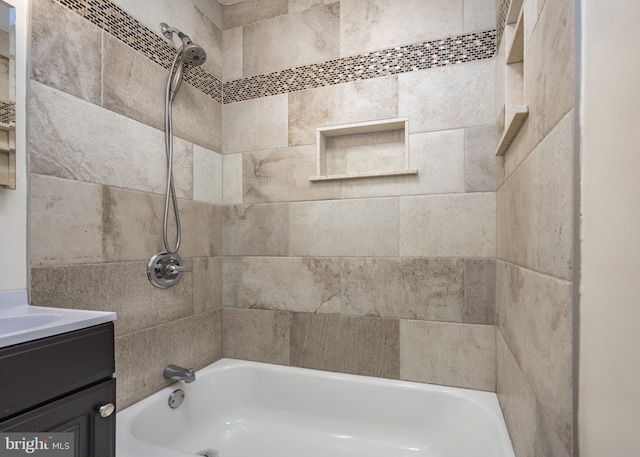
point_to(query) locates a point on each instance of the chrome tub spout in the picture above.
(176, 373)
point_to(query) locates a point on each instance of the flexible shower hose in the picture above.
(168, 142)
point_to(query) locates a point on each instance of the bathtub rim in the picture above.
(484, 400)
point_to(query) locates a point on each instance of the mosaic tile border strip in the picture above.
(430, 54)
(391, 61)
(124, 27)
(501, 21)
(7, 112)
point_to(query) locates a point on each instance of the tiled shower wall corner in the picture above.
(534, 239)
(98, 170)
(387, 276)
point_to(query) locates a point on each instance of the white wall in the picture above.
(13, 203)
(609, 405)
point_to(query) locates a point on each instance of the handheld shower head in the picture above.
(188, 54)
(192, 54)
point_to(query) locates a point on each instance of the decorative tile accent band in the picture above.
(121, 25)
(501, 22)
(7, 113)
(437, 53)
(391, 61)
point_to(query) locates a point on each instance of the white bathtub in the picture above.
(248, 409)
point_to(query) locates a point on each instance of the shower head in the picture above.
(192, 54)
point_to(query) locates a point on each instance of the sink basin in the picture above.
(21, 322)
(12, 324)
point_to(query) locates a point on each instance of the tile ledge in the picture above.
(363, 175)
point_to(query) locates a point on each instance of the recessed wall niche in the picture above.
(515, 112)
(363, 150)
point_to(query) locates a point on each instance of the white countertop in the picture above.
(21, 322)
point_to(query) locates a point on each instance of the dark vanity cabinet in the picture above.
(63, 383)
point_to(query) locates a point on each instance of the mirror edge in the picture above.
(14, 203)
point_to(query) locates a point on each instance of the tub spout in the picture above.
(176, 373)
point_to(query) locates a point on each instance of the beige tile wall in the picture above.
(362, 276)
(98, 174)
(534, 239)
(291, 40)
(353, 276)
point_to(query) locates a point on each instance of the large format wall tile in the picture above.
(554, 199)
(65, 57)
(439, 158)
(358, 345)
(344, 228)
(532, 432)
(119, 287)
(232, 54)
(213, 11)
(429, 289)
(201, 229)
(197, 118)
(177, 13)
(135, 86)
(250, 11)
(379, 24)
(535, 227)
(255, 230)
(256, 124)
(70, 138)
(456, 225)
(65, 221)
(460, 355)
(133, 226)
(141, 356)
(518, 403)
(207, 175)
(448, 97)
(291, 40)
(232, 281)
(357, 101)
(291, 283)
(301, 5)
(543, 350)
(207, 283)
(479, 15)
(550, 61)
(258, 335)
(479, 159)
(209, 36)
(479, 291)
(132, 84)
(232, 179)
(283, 175)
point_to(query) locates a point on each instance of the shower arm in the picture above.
(168, 31)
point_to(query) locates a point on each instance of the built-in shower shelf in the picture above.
(7, 156)
(364, 175)
(517, 121)
(363, 150)
(515, 7)
(516, 51)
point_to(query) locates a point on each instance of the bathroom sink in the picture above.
(12, 324)
(21, 322)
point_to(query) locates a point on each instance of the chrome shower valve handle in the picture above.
(165, 269)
